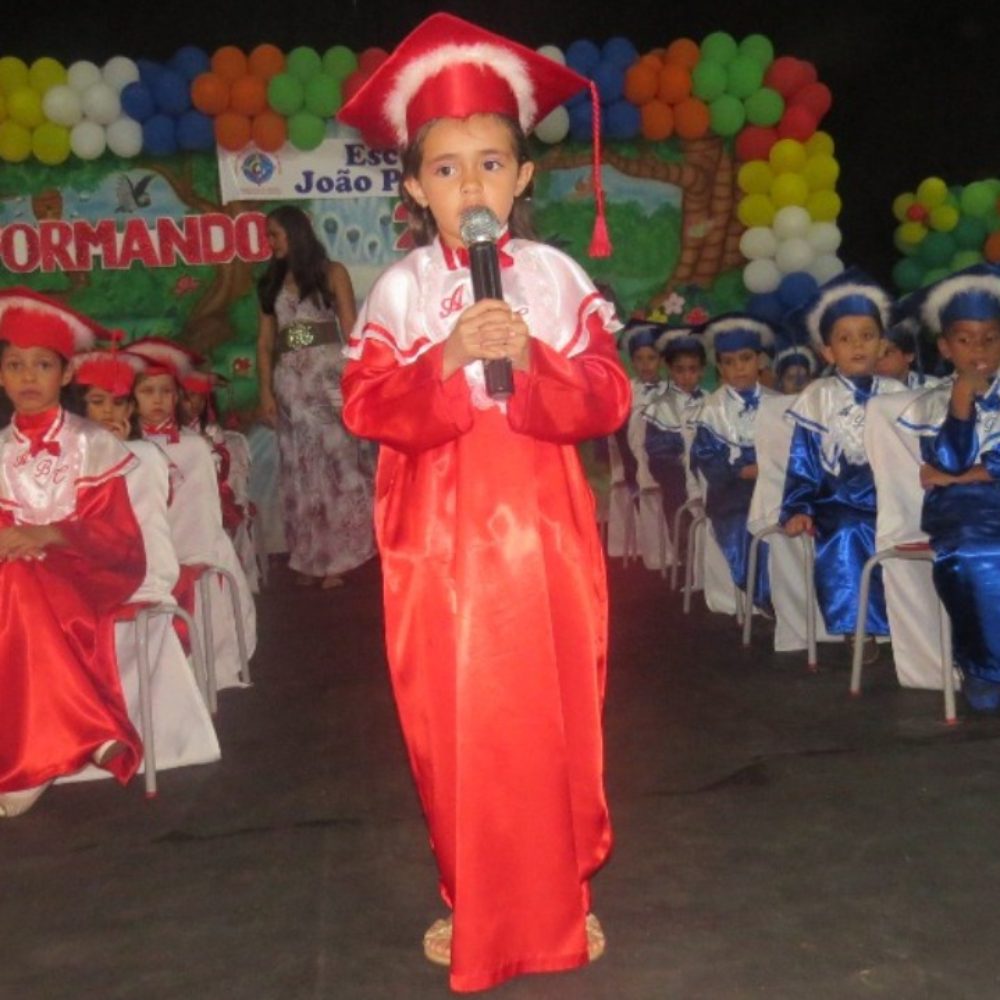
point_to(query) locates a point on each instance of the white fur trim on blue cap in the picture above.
(735, 323)
(940, 296)
(834, 294)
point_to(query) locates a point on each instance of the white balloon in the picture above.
(125, 137)
(761, 276)
(825, 267)
(554, 53)
(101, 103)
(61, 105)
(794, 255)
(824, 237)
(758, 242)
(120, 71)
(87, 140)
(554, 127)
(82, 74)
(790, 222)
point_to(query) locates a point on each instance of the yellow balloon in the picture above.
(911, 233)
(789, 189)
(819, 144)
(932, 192)
(15, 142)
(13, 74)
(788, 156)
(902, 203)
(944, 218)
(821, 172)
(24, 106)
(45, 73)
(755, 177)
(824, 206)
(50, 144)
(3, 108)
(756, 210)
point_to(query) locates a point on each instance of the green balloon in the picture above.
(977, 199)
(970, 233)
(285, 94)
(339, 62)
(744, 77)
(758, 48)
(720, 47)
(306, 131)
(708, 80)
(907, 274)
(765, 107)
(322, 95)
(303, 63)
(964, 259)
(727, 115)
(934, 275)
(937, 249)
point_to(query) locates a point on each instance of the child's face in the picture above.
(32, 377)
(973, 347)
(739, 368)
(156, 398)
(893, 363)
(193, 405)
(793, 380)
(686, 371)
(465, 163)
(111, 412)
(854, 345)
(646, 364)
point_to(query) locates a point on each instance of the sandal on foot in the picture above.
(596, 942)
(437, 942)
(107, 752)
(16, 803)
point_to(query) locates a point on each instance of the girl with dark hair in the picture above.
(306, 310)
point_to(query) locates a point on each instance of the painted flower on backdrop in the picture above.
(697, 316)
(674, 305)
(185, 285)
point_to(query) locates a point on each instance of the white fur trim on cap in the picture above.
(945, 290)
(805, 353)
(762, 330)
(834, 294)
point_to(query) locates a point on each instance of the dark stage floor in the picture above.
(774, 839)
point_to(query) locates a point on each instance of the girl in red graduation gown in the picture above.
(495, 599)
(70, 554)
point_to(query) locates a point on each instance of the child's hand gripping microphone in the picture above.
(480, 229)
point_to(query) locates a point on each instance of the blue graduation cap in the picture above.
(737, 331)
(850, 293)
(972, 294)
(641, 333)
(680, 340)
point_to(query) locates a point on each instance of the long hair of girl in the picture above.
(420, 221)
(306, 259)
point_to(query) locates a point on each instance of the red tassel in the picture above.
(600, 240)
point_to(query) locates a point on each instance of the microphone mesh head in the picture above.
(479, 225)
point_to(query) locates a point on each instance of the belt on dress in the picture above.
(306, 333)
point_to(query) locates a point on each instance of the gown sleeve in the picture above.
(804, 475)
(954, 449)
(710, 457)
(664, 452)
(568, 399)
(408, 407)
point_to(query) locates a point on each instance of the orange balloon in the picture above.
(230, 63)
(232, 131)
(640, 83)
(991, 251)
(674, 83)
(691, 118)
(683, 52)
(269, 131)
(657, 120)
(210, 94)
(248, 95)
(266, 61)
(654, 60)
(657, 54)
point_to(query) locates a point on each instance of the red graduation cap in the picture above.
(449, 68)
(29, 319)
(114, 371)
(164, 357)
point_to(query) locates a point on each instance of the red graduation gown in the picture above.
(496, 629)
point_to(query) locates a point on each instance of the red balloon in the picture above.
(816, 97)
(755, 142)
(352, 84)
(371, 59)
(787, 74)
(917, 212)
(797, 123)
(808, 71)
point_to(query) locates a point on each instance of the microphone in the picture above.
(480, 229)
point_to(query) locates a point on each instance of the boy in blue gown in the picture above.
(959, 429)
(723, 449)
(829, 488)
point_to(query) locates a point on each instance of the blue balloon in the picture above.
(172, 93)
(619, 51)
(137, 101)
(159, 136)
(796, 289)
(767, 307)
(190, 61)
(610, 80)
(149, 71)
(195, 131)
(621, 120)
(580, 122)
(583, 56)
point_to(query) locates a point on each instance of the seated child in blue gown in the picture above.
(723, 451)
(794, 368)
(959, 428)
(902, 357)
(668, 417)
(829, 487)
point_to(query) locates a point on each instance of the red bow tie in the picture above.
(167, 430)
(458, 257)
(52, 447)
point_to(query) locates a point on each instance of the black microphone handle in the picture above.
(485, 267)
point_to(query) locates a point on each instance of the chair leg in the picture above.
(662, 525)
(862, 623)
(740, 600)
(809, 572)
(947, 669)
(241, 639)
(631, 549)
(752, 556)
(208, 638)
(198, 653)
(146, 701)
(697, 524)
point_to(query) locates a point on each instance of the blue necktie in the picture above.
(863, 385)
(750, 400)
